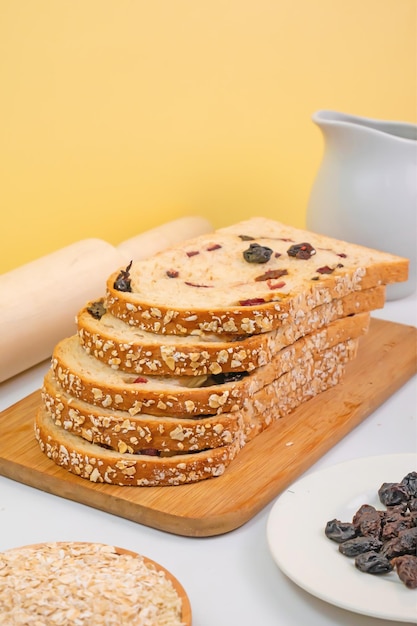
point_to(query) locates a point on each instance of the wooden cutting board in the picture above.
(262, 470)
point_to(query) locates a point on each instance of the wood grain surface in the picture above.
(262, 470)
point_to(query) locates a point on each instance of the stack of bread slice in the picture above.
(193, 352)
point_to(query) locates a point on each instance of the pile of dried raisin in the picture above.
(383, 541)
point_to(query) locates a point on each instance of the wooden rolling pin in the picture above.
(148, 243)
(39, 300)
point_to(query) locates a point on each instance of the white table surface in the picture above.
(231, 579)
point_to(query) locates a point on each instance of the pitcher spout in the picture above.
(402, 131)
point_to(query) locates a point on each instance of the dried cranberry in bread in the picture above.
(84, 376)
(123, 346)
(244, 279)
(124, 432)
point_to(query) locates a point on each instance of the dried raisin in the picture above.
(339, 531)
(257, 253)
(410, 483)
(123, 281)
(391, 494)
(373, 563)
(358, 545)
(302, 251)
(228, 377)
(367, 521)
(406, 567)
(394, 520)
(97, 309)
(404, 543)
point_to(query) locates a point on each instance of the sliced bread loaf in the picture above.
(244, 279)
(100, 464)
(84, 376)
(134, 350)
(124, 432)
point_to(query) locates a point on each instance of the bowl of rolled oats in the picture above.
(80, 583)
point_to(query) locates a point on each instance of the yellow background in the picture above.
(116, 115)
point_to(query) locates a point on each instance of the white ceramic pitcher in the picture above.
(366, 187)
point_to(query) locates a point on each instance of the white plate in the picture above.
(295, 533)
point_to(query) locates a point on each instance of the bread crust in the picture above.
(102, 465)
(129, 433)
(116, 343)
(279, 401)
(124, 432)
(205, 285)
(86, 378)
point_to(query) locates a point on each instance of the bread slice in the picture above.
(103, 465)
(217, 282)
(124, 432)
(122, 346)
(85, 377)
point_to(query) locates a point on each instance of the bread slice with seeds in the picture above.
(84, 376)
(244, 279)
(134, 433)
(124, 432)
(122, 346)
(101, 464)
